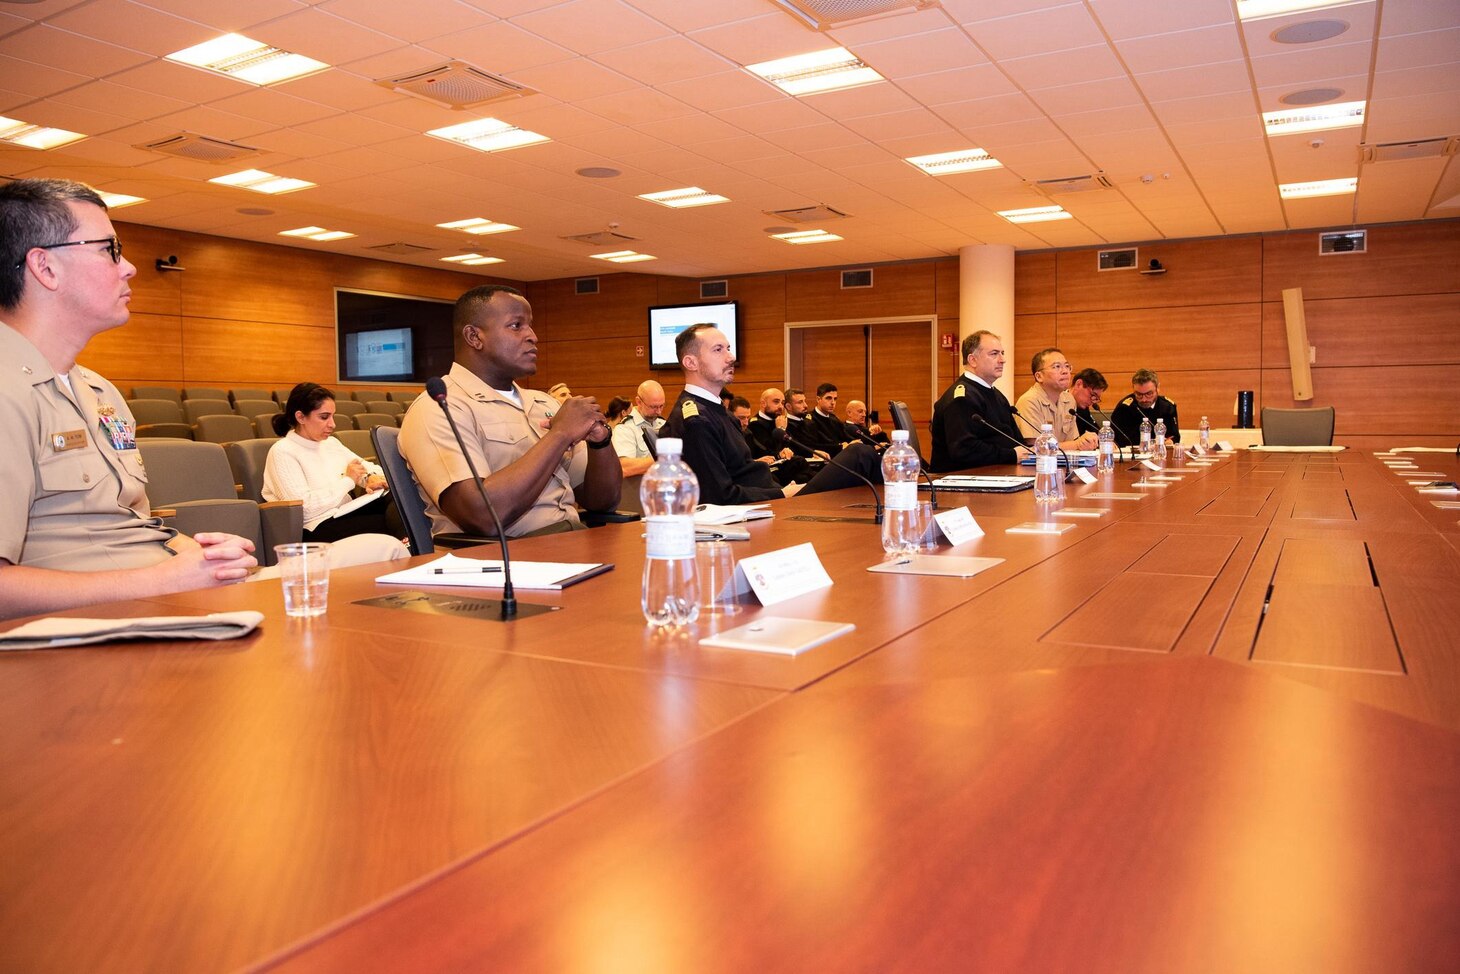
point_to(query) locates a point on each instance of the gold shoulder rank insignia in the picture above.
(1128, 401)
(959, 391)
(689, 410)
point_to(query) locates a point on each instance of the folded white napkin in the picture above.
(57, 632)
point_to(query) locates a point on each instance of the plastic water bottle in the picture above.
(901, 530)
(1049, 486)
(1106, 463)
(669, 492)
(1204, 435)
(1159, 442)
(1145, 434)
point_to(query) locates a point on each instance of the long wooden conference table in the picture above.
(1214, 729)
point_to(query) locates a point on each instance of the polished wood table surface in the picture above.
(1099, 755)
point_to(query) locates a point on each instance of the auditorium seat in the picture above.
(364, 395)
(281, 396)
(221, 428)
(195, 481)
(247, 458)
(176, 431)
(263, 426)
(252, 407)
(203, 392)
(1297, 427)
(403, 396)
(158, 392)
(408, 498)
(385, 407)
(155, 411)
(358, 441)
(344, 421)
(349, 407)
(193, 408)
(235, 395)
(366, 420)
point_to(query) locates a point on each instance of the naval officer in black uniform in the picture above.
(1145, 401)
(963, 414)
(714, 447)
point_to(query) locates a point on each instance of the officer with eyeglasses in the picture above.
(1049, 400)
(1145, 401)
(75, 523)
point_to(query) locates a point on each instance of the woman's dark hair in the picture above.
(617, 407)
(303, 398)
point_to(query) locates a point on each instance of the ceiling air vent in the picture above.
(819, 213)
(456, 85)
(602, 238)
(714, 289)
(585, 285)
(401, 249)
(1124, 259)
(200, 148)
(862, 277)
(825, 14)
(1419, 149)
(1071, 184)
(1344, 242)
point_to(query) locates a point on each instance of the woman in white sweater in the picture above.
(309, 465)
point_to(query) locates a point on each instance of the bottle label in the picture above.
(900, 497)
(669, 537)
(1046, 464)
(1107, 447)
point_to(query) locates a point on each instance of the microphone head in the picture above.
(436, 389)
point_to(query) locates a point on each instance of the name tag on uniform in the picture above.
(70, 440)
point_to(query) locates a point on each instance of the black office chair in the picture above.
(902, 419)
(408, 498)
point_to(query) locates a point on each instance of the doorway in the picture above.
(873, 361)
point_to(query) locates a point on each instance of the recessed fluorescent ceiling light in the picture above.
(247, 60)
(261, 182)
(807, 237)
(1253, 9)
(31, 136)
(316, 233)
(478, 225)
(1342, 115)
(1036, 214)
(488, 135)
(624, 257)
(1321, 187)
(472, 260)
(117, 200)
(680, 198)
(964, 160)
(806, 74)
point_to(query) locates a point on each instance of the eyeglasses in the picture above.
(1058, 366)
(113, 247)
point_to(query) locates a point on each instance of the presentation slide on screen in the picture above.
(666, 323)
(379, 353)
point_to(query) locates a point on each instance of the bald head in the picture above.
(856, 412)
(772, 402)
(649, 399)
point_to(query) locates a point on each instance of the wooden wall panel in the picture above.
(147, 350)
(837, 355)
(589, 340)
(1370, 331)
(1034, 282)
(1209, 393)
(1164, 339)
(948, 363)
(897, 289)
(1031, 333)
(1398, 401)
(153, 292)
(256, 353)
(1406, 258)
(945, 282)
(1227, 270)
(901, 369)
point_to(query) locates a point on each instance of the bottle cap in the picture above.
(899, 436)
(668, 445)
(1047, 428)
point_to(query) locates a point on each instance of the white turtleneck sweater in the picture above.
(312, 471)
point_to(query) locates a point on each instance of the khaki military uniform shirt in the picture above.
(1035, 407)
(497, 432)
(70, 499)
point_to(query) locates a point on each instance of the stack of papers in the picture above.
(731, 513)
(487, 573)
(983, 485)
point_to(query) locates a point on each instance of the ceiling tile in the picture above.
(1204, 45)
(900, 125)
(573, 80)
(686, 17)
(225, 16)
(1204, 79)
(273, 105)
(784, 112)
(980, 113)
(134, 26)
(414, 21)
(104, 97)
(356, 129)
(973, 11)
(1122, 19)
(326, 38)
(499, 48)
(1087, 97)
(827, 135)
(590, 26)
(1308, 67)
(1025, 34)
(940, 50)
(1074, 66)
(690, 130)
(47, 45)
(874, 99)
(1127, 118)
(758, 39)
(728, 89)
(337, 89)
(664, 60)
(630, 107)
(21, 81)
(962, 84)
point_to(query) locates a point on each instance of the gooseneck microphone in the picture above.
(1069, 468)
(1081, 419)
(985, 422)
(1118, 431)
(436, 389)
(876, 498)
(858, 434)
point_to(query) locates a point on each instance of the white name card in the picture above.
(780, 575)
(1083, 475)
(1150, 465)
(958, 525)
(1225, 445)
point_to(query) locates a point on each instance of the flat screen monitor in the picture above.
(668, 321)
(391, 337)
(381, 354)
